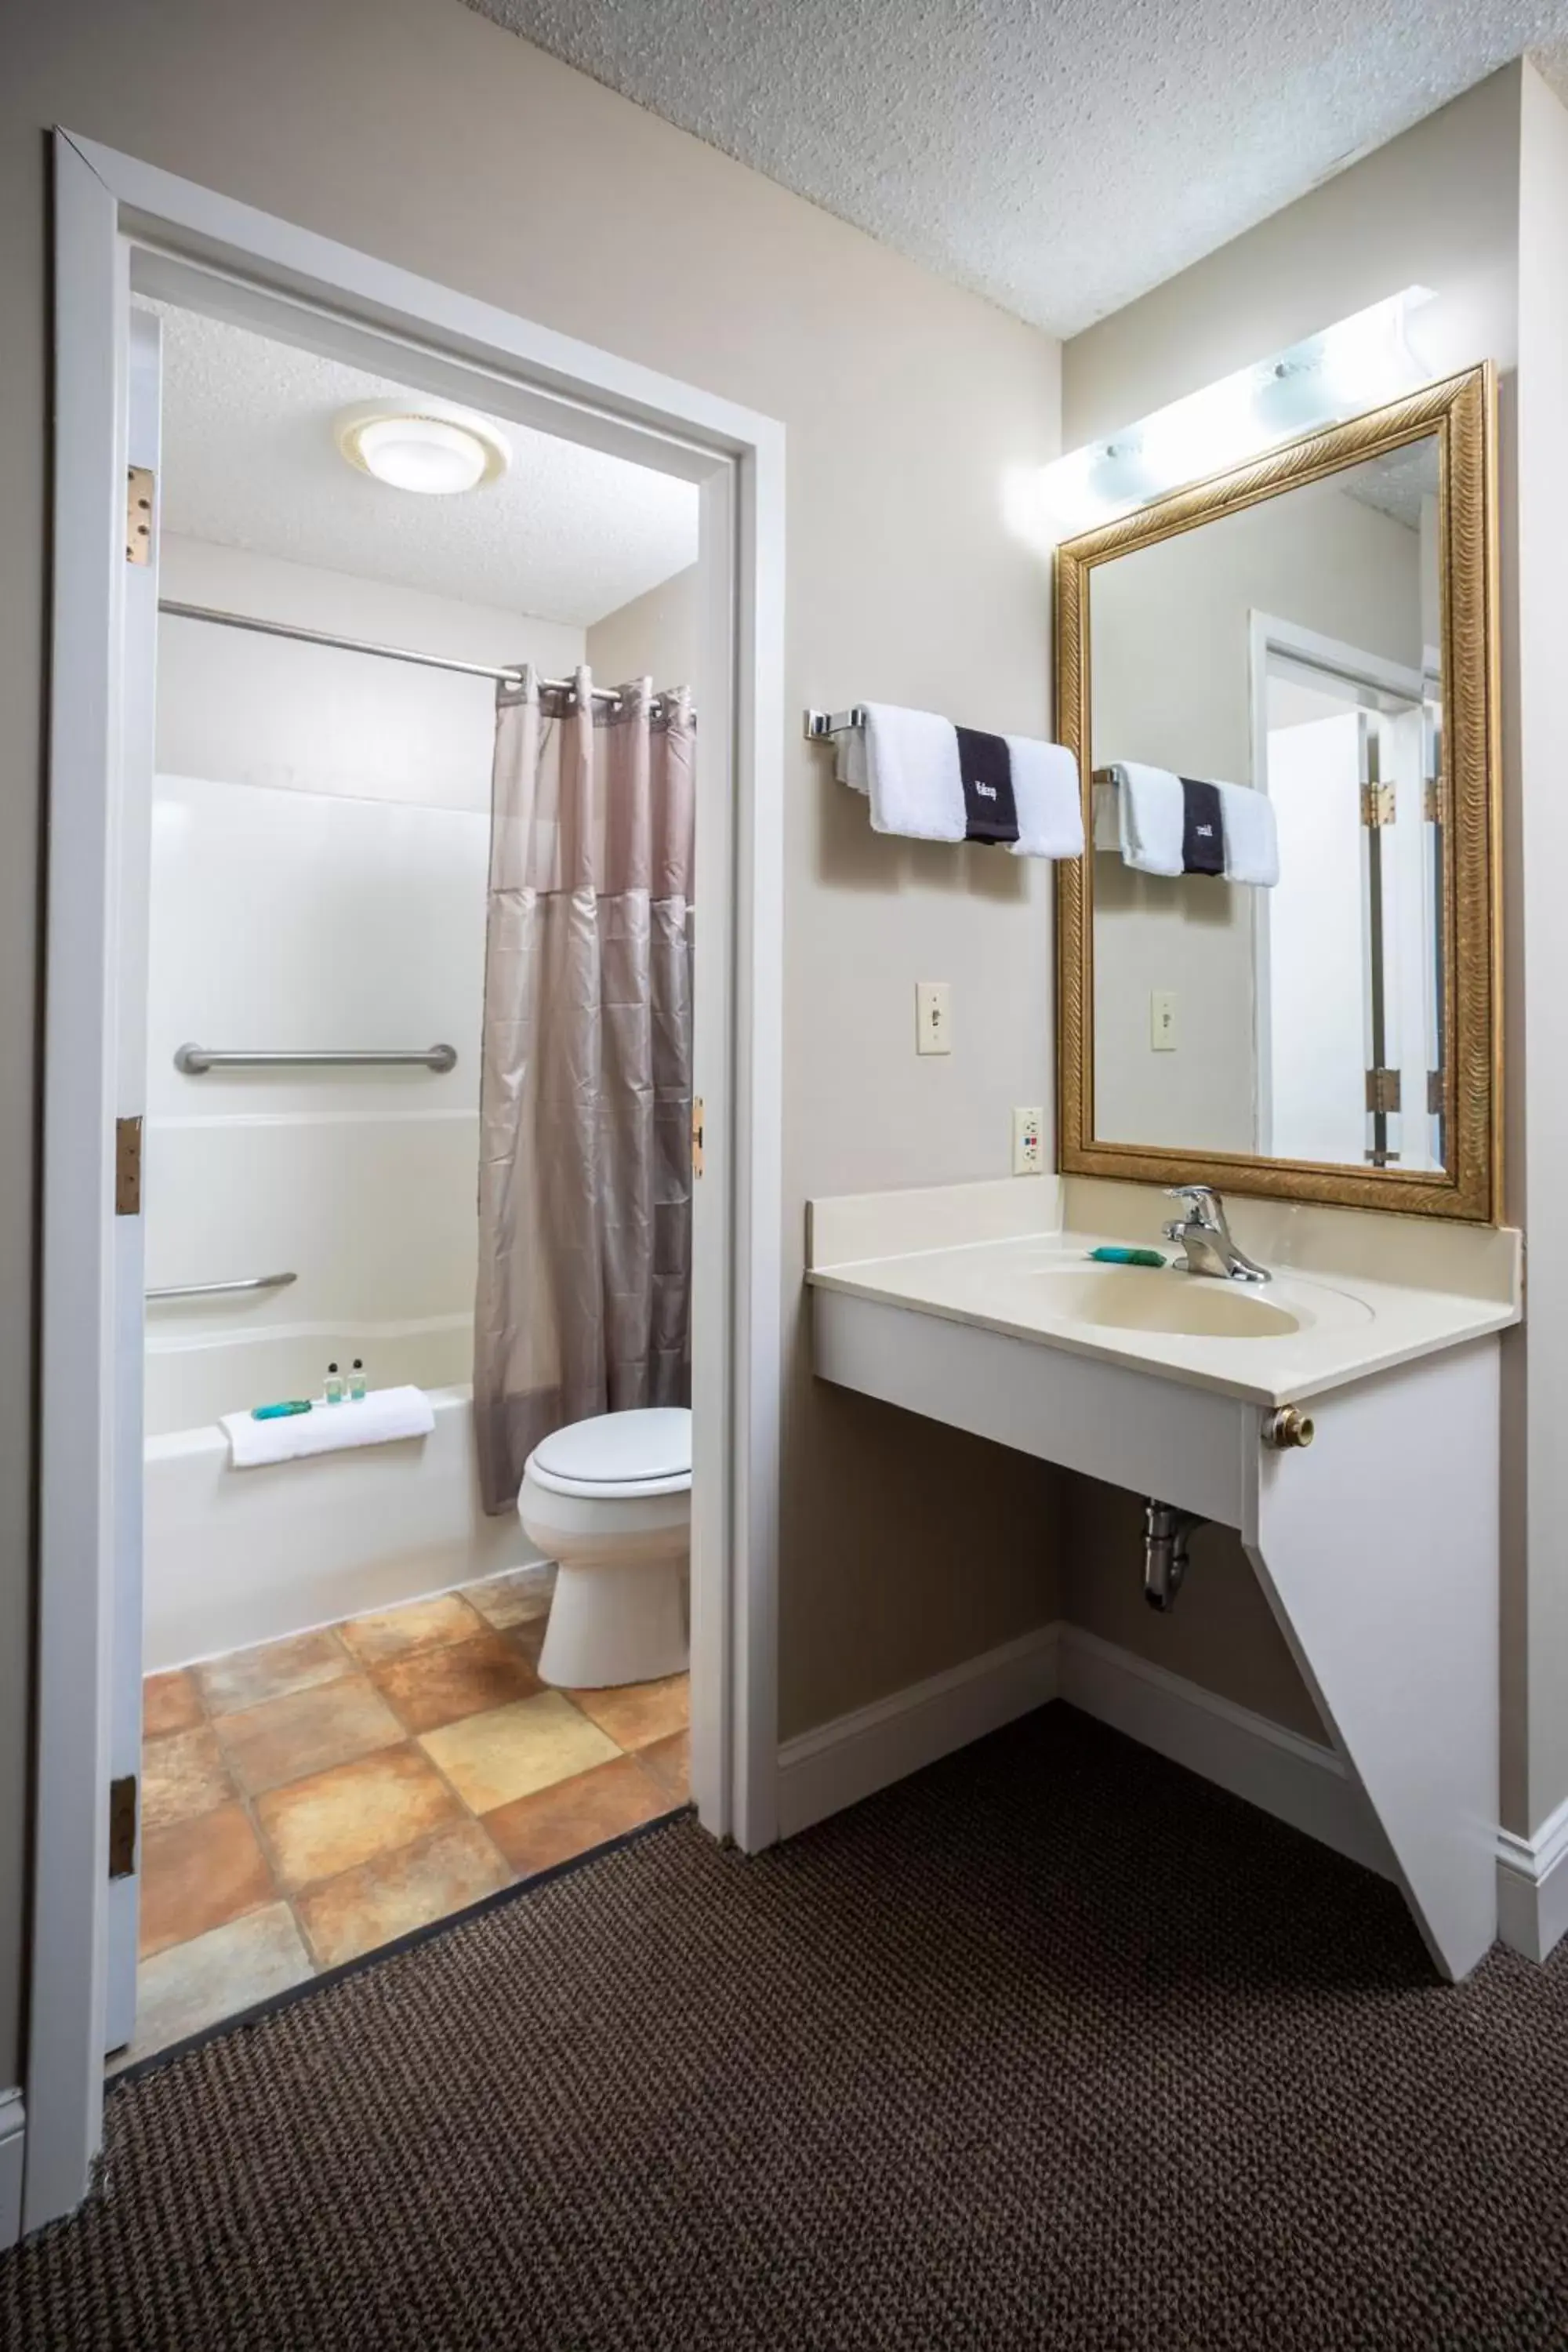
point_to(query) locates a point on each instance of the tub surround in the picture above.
(1376, 1548)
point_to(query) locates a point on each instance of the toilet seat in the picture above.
(617, 1456)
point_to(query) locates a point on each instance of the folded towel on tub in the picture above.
(378, 1419)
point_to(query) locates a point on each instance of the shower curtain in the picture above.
(584, 1204)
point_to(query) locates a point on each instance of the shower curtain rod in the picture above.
(511, 677)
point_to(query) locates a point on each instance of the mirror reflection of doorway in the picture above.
(1347, 952)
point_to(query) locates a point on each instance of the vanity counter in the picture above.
(950, 1253)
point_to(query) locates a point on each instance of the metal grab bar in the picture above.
(221, 1289)
(191, 1060)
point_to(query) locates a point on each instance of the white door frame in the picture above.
(120, 222)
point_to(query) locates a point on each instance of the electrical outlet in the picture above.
(1163, 1020)
(1028, 1148)
(933, 1016)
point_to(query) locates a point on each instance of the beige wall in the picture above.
(419, 131)
(1437, 208)
(1170, 661)
(655, 635)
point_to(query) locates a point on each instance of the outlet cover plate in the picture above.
(1028, 1140)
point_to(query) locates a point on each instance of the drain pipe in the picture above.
(1167, 1532)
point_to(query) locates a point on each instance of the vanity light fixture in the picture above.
(434, 448)
(1358, 363)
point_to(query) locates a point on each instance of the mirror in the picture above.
(1278, 957)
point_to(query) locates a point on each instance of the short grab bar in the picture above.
(191, 1060)
(220, 1289)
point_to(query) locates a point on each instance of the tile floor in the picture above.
(305, 1802)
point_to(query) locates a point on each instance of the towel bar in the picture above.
(819, 724)
(218, 1289)
(193, 1059)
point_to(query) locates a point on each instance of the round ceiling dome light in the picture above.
(434, 450)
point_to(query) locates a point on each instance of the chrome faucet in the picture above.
(1206, 1237)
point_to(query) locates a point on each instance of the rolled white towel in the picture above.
(373, 1420)
(1251, 836)
(1048, 798)
(1152, 816)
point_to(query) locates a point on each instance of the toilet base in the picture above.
(617, 1624)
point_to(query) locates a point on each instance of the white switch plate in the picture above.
(933, 1016)
(1163, 1020)
(1028, 1147)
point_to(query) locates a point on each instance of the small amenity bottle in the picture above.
(357, 1382)
(334, 1389)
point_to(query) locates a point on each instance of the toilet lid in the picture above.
(620, 1448)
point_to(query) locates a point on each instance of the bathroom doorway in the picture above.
(131, 236)
(347, 1728)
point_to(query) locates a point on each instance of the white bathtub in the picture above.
(234, 1557)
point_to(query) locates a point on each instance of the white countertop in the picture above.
(994, 1255)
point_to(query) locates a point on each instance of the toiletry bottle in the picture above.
(334, 1390)
(356, 1381)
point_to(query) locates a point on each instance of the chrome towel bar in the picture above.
(222, 1289)
(193, 1059)
(820, 724)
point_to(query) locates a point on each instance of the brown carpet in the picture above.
(1052, 2046)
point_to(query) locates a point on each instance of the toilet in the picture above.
(610, 1501)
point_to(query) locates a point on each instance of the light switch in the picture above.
(1163, 1020)
(933, 1016)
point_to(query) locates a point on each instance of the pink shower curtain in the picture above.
(585, 1089)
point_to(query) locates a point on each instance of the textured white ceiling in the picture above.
(1059, 158)
(250, 461)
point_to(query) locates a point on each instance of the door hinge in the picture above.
(141, 484)
(1435, 1093)
(122, 1826)
(128, 1167)
(697, 1135)
(1432, 800)
(1382, 1090)
(1377, 806)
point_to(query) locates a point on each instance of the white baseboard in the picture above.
(12, 2142)
(855, 1755)
(1298, 1780)
(1293, 1778)
(1532, 1886)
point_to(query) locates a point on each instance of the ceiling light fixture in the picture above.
(1357, 364)
(435, 449)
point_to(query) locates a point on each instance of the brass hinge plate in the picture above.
(1382, 1090)
(697, 1135)
(1435, 1093)
(1377, 805)
(140, 484)
(1432, 800)
(122, 1826)
(128, 1167)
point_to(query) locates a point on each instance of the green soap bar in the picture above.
(280, 1412)
(1108, 1257)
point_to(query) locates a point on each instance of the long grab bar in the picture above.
(222, 1289)
(193, 1060)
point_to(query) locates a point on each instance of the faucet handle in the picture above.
(1204, 1205)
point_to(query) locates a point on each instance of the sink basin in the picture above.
(1198, 1307)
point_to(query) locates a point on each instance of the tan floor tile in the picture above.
(400, 1891)
(181, 1776)
(289, 1739)
(530, 1638)
(437, 1686)
(669, 1762)
(575, 1815)
(198, 1875)
(637, 1714)
(169, 1702)
(419, 1626)
(215, 1976)
(246, 1677)
(517, 1597)
(336, 1819)
(490, 1758)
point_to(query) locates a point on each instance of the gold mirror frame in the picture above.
(1461, 413)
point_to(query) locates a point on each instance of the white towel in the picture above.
(906, 761)
(1152, 813)
(1251, 836)
(1107, 818)
(1047, 799)
(373, 1420)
